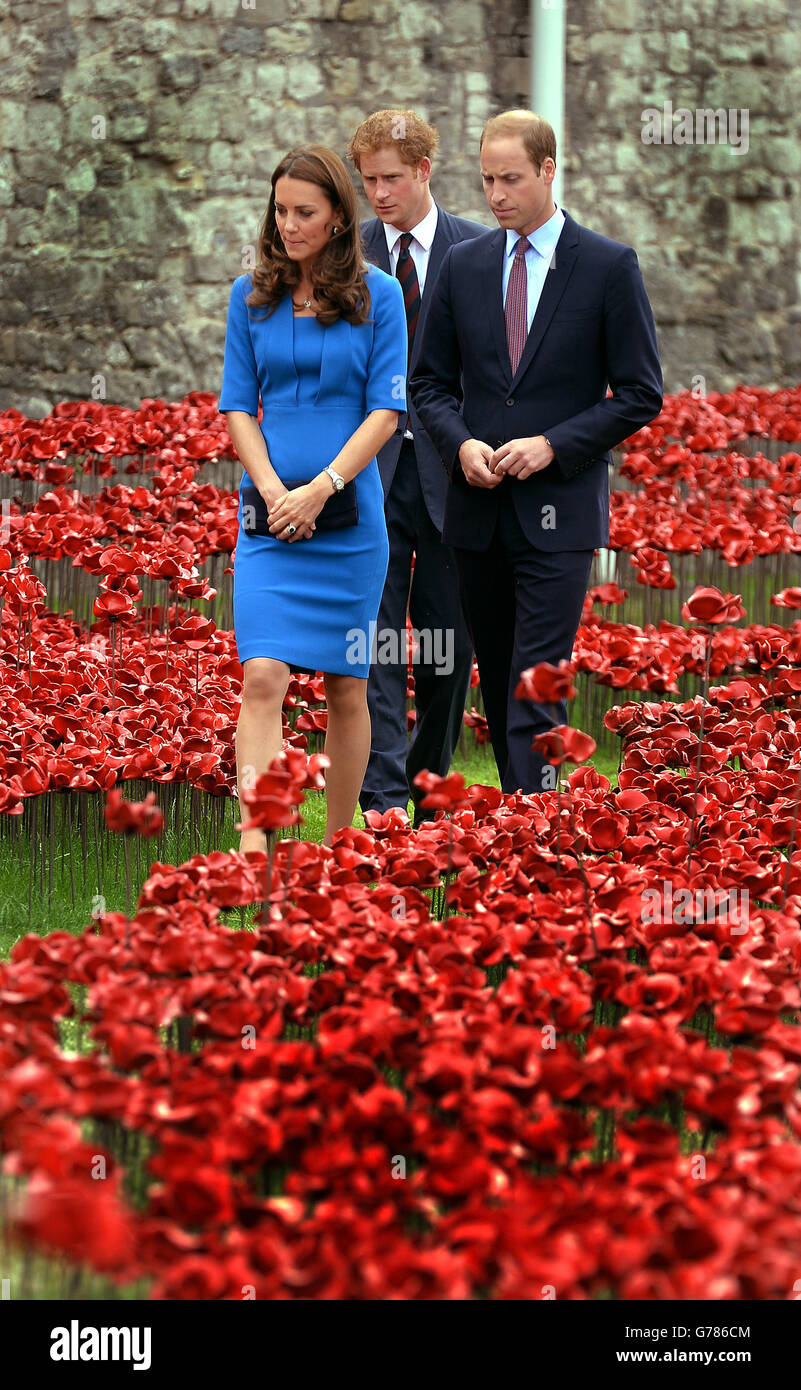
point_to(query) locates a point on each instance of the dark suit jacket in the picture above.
(433, 479)
(593, 327)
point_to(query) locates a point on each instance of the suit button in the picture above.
(511, 400)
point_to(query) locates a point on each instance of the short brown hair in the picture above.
(405, 131)
(536, 133)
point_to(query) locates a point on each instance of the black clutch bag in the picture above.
(339, 510)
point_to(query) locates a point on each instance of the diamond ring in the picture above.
(291, 529)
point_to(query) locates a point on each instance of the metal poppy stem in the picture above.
(32, 858)
(167, 629)
(271, 838)
(700, 742)
(113, 680)
(585, 881)
(793, 832)
(558, 823)
(289, 853)
(447, 905)
(127, 882)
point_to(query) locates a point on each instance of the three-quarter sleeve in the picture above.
(386, 369)
(240, 379)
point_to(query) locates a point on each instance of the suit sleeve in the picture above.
(435, 384)
(240, 379)
(632, 368)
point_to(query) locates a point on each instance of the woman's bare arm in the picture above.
(373, 433)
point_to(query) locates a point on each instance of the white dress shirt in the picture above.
(419, 250)
(542, 244)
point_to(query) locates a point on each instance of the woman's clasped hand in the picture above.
(293, 513)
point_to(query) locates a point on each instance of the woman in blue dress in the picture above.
(320, 335)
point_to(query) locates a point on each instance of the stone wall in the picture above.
(718, 233)
(137, 142)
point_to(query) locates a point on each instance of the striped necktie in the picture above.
(407, 275)
(516, 307)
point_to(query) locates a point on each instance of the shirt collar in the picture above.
(545, 237)
(423, 232)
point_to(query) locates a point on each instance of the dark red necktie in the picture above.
(516, 307)
(407, 275)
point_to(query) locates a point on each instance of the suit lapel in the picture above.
(377, 251)
(442, 240)
(492, 289)
(375, 244)
(556, 278)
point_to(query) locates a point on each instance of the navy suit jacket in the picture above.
(433, 479)
(593, 328)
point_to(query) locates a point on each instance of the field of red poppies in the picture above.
(542, 1047)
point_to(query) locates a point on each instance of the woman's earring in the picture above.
(334, 231)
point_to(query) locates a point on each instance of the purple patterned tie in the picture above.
(407, 275)
(515, 308)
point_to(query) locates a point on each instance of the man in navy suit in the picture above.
(526, 328)
(393, 151)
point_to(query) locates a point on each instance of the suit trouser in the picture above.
(431, 593)
(523, 606)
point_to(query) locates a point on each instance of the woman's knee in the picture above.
(264, 681)
(346, 694)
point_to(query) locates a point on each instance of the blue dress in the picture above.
(314, 603)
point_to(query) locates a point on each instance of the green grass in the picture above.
(33, 1275)
(81, 873)
(30, 902)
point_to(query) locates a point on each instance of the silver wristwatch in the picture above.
(336, 478)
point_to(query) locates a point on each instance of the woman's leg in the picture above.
(347, 744)
(258, 731)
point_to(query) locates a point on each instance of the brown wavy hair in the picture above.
(339, 273)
